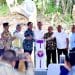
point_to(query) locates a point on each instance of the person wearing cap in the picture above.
(62, 41)
(17, 43)
(28, 41)
(7, 63)
(6, 36)
(72, 39)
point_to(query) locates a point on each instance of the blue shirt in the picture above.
(72, 72)
(28, 44)
(63, 70)
(72, 41)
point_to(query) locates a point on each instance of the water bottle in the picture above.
(62, 58)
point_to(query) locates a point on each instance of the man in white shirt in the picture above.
(17, 43)
(62, 41)
(40, 47)
(19, 34)
(39, 33)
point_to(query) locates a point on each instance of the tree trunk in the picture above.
(57, 3)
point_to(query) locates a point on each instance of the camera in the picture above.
(22, 56)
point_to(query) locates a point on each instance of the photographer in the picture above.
(7, 63)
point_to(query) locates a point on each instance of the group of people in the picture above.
(61, 41)
(50, 42)
(8, 62)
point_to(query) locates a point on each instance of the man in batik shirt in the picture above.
(6, 36)
(50, 46)
(28, 41)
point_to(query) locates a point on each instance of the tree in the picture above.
(2, 1)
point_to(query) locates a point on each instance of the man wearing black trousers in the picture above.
(28, 41)
(62, 42)
(50, 45)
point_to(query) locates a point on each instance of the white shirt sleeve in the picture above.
(67, 36)
(54, 34)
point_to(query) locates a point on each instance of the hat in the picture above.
(9, 55)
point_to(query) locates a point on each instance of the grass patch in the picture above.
(4, 10)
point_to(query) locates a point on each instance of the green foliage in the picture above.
(51, 8)
(2, 1)
(59, 9)
(20, 1)
(68, 18)
(4, 10)
(38, 5)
